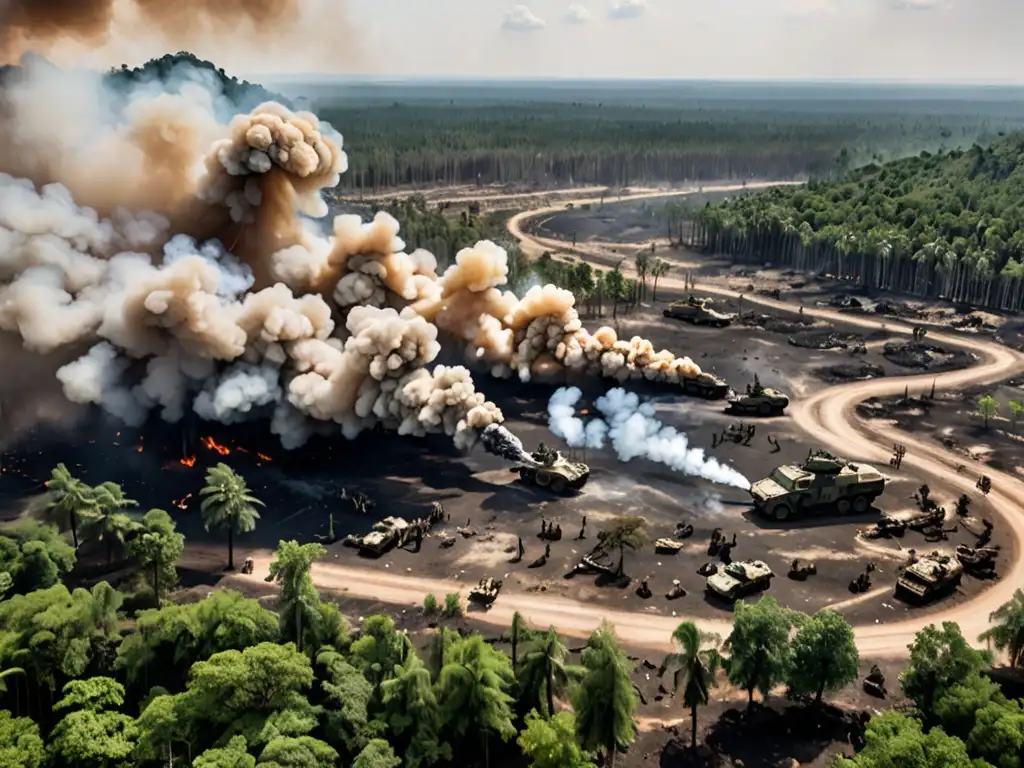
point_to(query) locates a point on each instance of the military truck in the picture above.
(549, 469)
(823, 483)
(387, 533)
(698, 312)
(930, 576)
(739, 579)
(759, 401)
(706, 386)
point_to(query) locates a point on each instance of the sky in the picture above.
(903, 40)
(918, 40)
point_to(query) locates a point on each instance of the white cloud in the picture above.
(627, 9)
(914, 5)
(522, 19)
(577, 14)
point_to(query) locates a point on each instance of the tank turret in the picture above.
(739, 579)
(823, 483)
(697, 311)
(549, 469)
(929, 576)
(759, 401)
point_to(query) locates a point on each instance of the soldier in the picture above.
(543, 528)
(547, 551)
(419, 538)
(583, 530)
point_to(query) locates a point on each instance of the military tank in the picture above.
(706, 386)
(697, 311)
(822, 484)
(739, 579)
(549, 469)
(930, 576)
(387, 533)
(759, 401)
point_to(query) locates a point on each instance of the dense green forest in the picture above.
(101, 677)
(620, 145)
(947, 226)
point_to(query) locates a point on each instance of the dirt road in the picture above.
(829, 419)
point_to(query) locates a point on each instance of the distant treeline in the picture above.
(404, 145)
(944, 226)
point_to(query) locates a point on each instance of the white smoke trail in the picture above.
(635, 432)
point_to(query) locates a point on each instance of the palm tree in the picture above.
(543, 673)
(228, 504)
(473, 692)
(696, 665)
(518, 631)
(11, 672)
(606, 699)
(659, 270)
(623, 533)
(299, 598)
(1008, 633)
(112, 525)
(69, 499)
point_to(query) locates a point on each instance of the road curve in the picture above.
(829, 418)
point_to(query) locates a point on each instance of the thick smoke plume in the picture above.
(635, 432)
(170, 259)
(270, 26)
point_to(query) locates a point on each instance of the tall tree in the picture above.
(69, 500)
(158, 545)
(229, 505)
(544, 673)
(109, 523)
(659, 269)
(623, 533)
(988, 407)
(518, 632)
(411, 711)
(759, 649)
(1007, 632)
(473, 693)
(894, 740)
(90, 733)
(20, 743)
(300, 602)
(940, 658)
(696, 663)
(605, 701)
(825, 655)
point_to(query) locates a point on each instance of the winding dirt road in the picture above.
(829, 419)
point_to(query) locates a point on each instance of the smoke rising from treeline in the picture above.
(171, 260)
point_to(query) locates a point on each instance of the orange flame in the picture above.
(264, 457)
(188, 461)
(213, 445)
(138, 449)
(182, 503)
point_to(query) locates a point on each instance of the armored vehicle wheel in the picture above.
(666, 313)
(861, 505)
(843, 506)
(558, 484)
(782, 512)
(765, 409)
(543, 478)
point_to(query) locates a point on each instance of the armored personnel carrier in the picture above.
(549, 469)
(739, 579)
(823, 483)
(759, 401)
(706, 386)
(929, 576)
(698, 312)
(387, 533)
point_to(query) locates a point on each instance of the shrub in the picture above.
(430, 606)
(452, 605)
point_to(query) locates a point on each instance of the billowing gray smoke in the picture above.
(498, 440)
(635, 432)
(172, 262)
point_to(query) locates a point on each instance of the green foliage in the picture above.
(696, 663)
(90, 734)
(68, 501)
(956, 708)
(34, 556)
(605, 701)
(377, 754)
(940, 658)
(157, 546)
(544, 674)
(759, 650)
(20, 743)
(825, 656)
(552, 742)
(452, 605)
(1007, 632)
(623, 533)
(108, 523)
(430, 606)
(998, 734)
(379, 651)
(473, 692)
(988, 407)
(298, 752)
(305, 619)
(228, 505)
(56, 635)
(894, 740)
(169, 640)
(346, 701)
(411, 712)
(234, 755)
